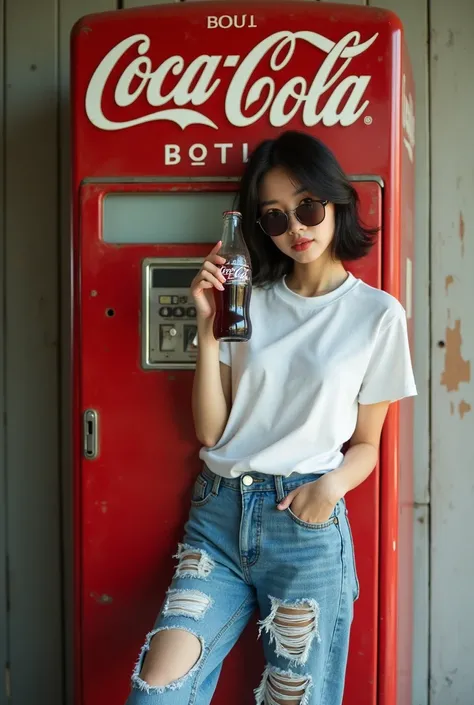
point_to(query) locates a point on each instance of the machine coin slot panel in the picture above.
(168, 320)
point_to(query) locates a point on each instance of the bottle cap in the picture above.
(232, 213)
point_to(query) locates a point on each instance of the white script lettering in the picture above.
(197, 82)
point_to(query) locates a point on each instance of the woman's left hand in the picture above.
(314, 502)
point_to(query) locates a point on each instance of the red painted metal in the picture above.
(131, 502)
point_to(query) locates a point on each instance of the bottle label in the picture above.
(240, 273)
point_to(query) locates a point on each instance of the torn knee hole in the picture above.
(283, 688)
(166, 662)
(292, 627)
(193, 562)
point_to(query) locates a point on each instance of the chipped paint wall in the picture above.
(452, 385)
(34, 265)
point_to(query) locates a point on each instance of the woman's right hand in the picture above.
(208, 278)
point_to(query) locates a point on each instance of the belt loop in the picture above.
(280, 491)
(339, 508)
(216, 484)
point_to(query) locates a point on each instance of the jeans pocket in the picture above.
(314, 527)
(202, 491)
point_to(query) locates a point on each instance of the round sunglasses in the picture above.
(309, 213)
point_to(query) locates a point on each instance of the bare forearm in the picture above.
(210, 408)
(359, 462)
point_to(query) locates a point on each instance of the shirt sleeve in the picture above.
(224, 354)
(389, 376)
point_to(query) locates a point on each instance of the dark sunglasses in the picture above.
(309, 213)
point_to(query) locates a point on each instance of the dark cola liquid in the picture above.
(232, 322)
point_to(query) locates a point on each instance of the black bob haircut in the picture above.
(312, 165)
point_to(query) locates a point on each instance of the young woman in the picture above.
(268, 525)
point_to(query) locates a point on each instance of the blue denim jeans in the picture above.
(239, 551)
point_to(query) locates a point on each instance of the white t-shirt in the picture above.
(297, 384)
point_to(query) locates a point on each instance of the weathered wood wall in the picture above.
(452, 390)
(30, 276)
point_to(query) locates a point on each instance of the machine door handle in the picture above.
(90, 434)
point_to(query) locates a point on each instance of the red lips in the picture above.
(301, 244)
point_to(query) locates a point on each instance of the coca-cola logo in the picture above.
(239, 273)
(196, 82)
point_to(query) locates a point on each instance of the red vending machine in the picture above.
(168, 101)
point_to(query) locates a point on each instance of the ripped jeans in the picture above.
(239, 551)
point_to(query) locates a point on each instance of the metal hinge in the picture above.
(91, 434)
(8, 682)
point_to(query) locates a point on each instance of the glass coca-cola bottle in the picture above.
(232, 320)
